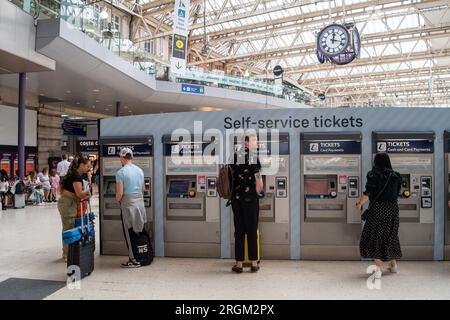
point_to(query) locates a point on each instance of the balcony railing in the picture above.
(88, 19)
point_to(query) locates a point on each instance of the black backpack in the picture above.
(20, 187)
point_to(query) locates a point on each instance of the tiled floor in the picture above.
(30, 248)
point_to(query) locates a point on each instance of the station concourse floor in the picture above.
(30, 248)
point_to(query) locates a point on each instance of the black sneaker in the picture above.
(131, 264)
(236, 269)
(254, 268)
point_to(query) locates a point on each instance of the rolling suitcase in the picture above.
(81, 252)
(247, 262)
(19, 201)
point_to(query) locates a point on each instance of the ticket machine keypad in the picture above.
(353, 190)
(211, 187)
(281, 191)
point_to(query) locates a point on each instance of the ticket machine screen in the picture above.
(110, 188)
(316, 186)
(178, 187)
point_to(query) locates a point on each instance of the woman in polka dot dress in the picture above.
(379, 239)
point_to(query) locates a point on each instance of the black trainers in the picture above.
(236, 269)
(254, 268)
(131, 264)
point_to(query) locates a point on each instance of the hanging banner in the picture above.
(180, 37)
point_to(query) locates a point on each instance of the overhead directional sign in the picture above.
(180, 35)
(192, 88)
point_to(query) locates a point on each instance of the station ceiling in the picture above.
(405, 57)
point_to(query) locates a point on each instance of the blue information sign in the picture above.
(74, 129)
(139, 150)
(183, 148)
(331, 147)
(192, 88)
(405, 146)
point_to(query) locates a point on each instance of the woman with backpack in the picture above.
(379, 239)
(247, 185)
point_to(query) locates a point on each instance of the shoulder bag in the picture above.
(366, 212)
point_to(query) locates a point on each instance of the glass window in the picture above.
(115, 23)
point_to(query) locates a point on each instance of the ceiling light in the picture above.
(96, 90)
(109, 105)
(126, 107)
(78, 102)
(106, 109)
(97, 101)
(68, 91)
(41, 94)
(93, 107)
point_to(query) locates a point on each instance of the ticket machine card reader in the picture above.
(211, 189)
(425, 192)
(281, 187)
(147, 192)
(353, 187)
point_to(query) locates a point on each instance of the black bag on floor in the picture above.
(81, 253)
(141, 246)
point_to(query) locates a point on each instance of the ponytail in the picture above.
(77, 161)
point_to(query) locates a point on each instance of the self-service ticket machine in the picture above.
(274, 208)
(192, 204)
(447, 193)
(330, 187)
(111, 232)
(412, 155)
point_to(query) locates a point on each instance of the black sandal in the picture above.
(236, 269)
(254, 268)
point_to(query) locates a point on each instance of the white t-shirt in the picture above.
(62, 167)
(4, 186)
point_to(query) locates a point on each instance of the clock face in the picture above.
(320, 56)
(333, 40)
(356, 42)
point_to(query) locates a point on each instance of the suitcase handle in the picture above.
(86, 234)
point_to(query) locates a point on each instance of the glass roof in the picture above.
(257, 35)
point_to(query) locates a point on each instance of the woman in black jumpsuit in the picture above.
(245, 203)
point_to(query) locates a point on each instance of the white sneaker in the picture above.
(393, 269)
(377, 274)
